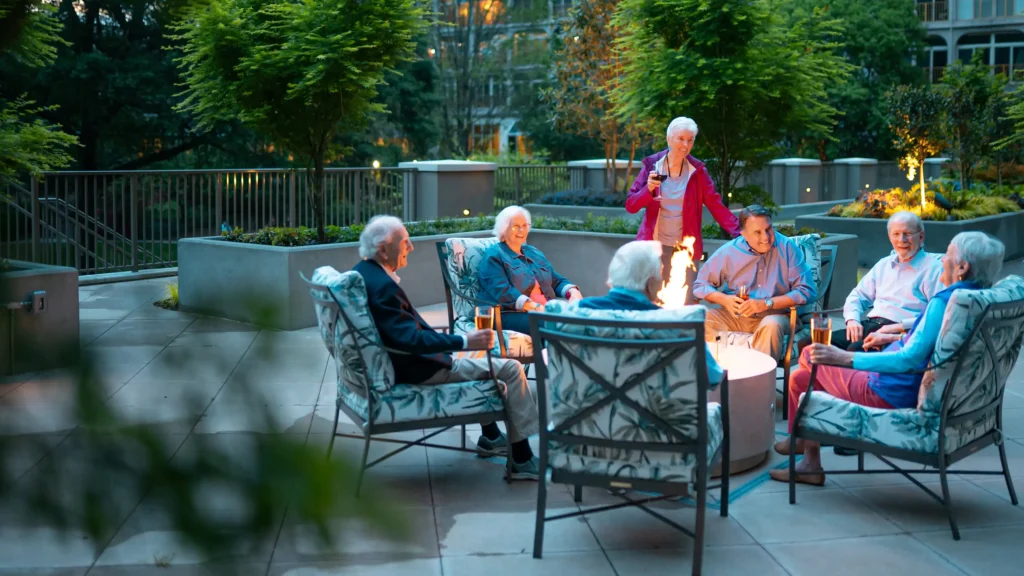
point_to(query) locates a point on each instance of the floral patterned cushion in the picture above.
(671, 394)
(391, 402)
(975, 386)
(464, 258)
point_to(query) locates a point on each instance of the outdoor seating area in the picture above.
(465, 519)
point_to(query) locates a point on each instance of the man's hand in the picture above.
(854, 331)
(821, 354)
(752, 307)
(728, 302)
(574, 295)
(877, 340)
(480, 339)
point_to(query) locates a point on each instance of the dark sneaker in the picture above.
(486, 448)
(529, 470)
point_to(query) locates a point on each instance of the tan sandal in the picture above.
(810, 478)
(782, 447)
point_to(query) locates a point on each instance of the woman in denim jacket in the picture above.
(518, 276)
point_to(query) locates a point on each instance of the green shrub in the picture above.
(584, 197)
(976, 202)
(714, 231)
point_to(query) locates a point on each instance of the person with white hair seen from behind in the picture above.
(895, 290)
(672, 188)
(634, 277)
(420, 355)
(516, 275)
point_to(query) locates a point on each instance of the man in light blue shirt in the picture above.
(897, 288)
(775, 274)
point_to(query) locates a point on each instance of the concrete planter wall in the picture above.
(875, 245)
(224, 279)
(46, 340)
(787, 212)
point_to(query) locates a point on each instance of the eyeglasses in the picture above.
(518, 228)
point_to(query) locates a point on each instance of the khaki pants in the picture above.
(523, 420)
(769, 332)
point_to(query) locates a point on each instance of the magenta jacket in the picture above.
(700, 192)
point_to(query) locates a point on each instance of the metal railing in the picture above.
(1013, 73)
(128, 221)
(933, 11)
(518, 185)
(995, 8)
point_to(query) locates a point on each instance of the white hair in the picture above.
(681, 123)
(378, 232)
(906, 218)
(983, 255)
(504, 220)
(634, 264)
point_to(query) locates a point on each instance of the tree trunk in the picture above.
(629, 167)
(315, 185)
(999, 173)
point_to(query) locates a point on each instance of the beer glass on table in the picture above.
(484, 318)
(821, 329)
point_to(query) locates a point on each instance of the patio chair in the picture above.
(367, 391)
(460, 262)
(963, 409)
(823, 261)
(625, 396)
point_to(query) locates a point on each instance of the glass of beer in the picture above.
(821, 329)
(484, 318)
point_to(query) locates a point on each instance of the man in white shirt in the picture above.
(896, 290)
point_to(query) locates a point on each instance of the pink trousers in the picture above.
(843, 383)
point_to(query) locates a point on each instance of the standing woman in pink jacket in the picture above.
(674, 187)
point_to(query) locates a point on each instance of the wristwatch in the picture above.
(769, 303)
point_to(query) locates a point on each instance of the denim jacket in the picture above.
(507, 278)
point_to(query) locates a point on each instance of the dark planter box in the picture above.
(41, 340)
(874, 240)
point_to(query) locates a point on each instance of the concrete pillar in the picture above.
(593, 174)
(854, 176)
(933, 167)
(452, 188)
(796, 180)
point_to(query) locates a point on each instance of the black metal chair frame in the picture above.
(673, 348)
(828, 261)
(370, 428)
(940, 461)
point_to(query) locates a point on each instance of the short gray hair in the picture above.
(634, 264)
(504, 220)
(681, 123)
(753, 211)
(905, 217)
(378, 231)
(983, 255)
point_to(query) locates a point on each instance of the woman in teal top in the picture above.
(891, 378)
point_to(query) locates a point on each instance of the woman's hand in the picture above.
(532, 306)
(575, 295)
(821, 354)
(877, 340)
(922, 393)
(653, 183)
(896, 328)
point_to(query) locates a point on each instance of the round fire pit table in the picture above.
(751, 405)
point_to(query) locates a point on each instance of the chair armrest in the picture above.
(441, 329)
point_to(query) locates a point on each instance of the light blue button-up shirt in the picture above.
(894, 290)
(782, 271)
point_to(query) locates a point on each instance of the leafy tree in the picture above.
(740, 68)
(915, 119)
(1009, 124)
(28, 145)
(588, 68)
(1000, 128)
(879, 37)
(296, 72)
(968, 90)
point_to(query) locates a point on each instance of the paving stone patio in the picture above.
(465, 519)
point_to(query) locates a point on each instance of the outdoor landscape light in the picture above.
(465, 212)
(376, 164)
(808, 189)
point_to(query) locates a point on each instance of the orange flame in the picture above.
(673, 294)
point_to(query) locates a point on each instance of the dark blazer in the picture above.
(619, 300)
(416, 350)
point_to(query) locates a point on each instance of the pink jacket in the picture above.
(700, 192)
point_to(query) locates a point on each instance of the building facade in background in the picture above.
(959, 28)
